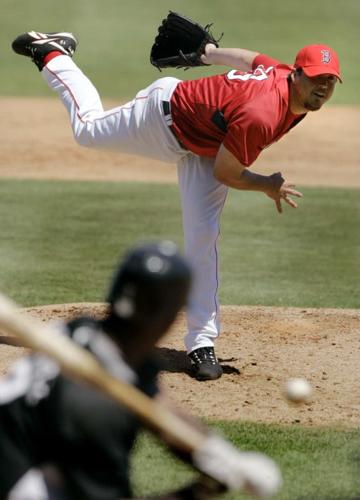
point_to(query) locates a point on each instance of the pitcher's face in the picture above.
(313, 92)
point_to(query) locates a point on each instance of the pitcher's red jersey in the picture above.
(244, 111)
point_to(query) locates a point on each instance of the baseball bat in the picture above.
(81, 365)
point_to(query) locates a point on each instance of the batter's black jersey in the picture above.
(48, 418)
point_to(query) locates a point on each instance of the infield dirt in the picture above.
(260, 347)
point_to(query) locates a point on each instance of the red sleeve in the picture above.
(263, 59)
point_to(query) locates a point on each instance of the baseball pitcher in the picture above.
(213, 128)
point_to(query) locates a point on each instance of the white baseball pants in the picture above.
(139, 127)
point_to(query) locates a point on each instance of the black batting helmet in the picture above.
(148, 290)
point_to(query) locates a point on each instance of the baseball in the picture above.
(298, 390)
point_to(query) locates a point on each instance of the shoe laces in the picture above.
(204, 355)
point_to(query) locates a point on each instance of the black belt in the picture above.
(168, 118)
(167, 112)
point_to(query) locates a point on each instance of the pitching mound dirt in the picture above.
(260, 349)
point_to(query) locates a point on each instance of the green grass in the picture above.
(317, 464)
(115, 37)
(304, 257)
(61, 240)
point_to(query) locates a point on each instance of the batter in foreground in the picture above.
(61, 440)
(213, 128)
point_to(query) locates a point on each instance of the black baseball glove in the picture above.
(180, 43)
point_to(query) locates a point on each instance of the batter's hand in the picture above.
(237, 470)
(282, 190)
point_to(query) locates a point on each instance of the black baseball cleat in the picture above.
(37, 45)
(205, 366)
